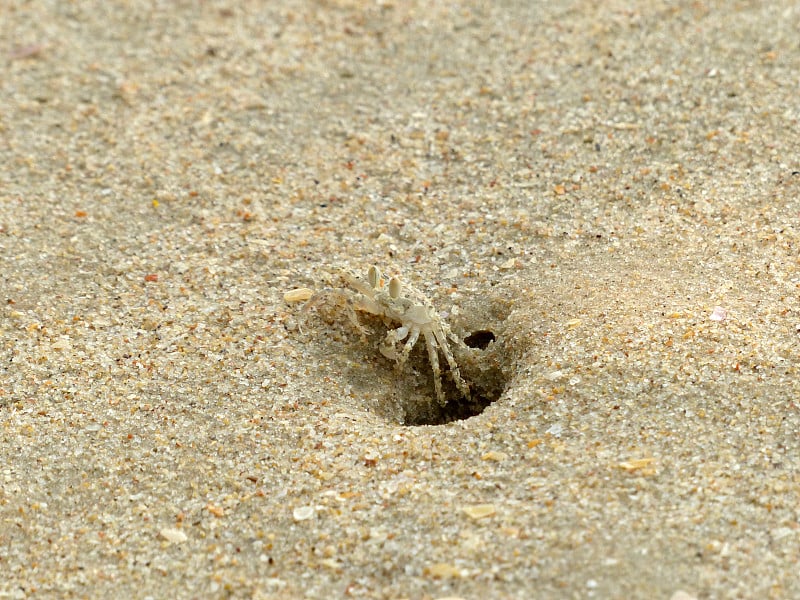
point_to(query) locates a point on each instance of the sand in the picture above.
(602, 197)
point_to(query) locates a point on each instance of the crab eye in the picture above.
(395, 287)
(374, 277)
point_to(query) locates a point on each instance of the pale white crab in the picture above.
(416, 316)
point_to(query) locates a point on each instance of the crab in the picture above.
(416, 316)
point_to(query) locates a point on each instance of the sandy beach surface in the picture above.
(601, 198)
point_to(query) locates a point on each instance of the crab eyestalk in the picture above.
(395, 287)
(374, 277)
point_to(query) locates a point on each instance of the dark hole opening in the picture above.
(480, 339)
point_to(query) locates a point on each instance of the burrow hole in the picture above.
(483, 363)
(481, 366)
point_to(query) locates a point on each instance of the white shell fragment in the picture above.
(718, 314)
(303, 513)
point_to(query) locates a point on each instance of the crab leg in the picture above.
(349, 306)
(459, 381)
(433, 357)
(368, 305)
(360, 286)
(457, 340)
(412, 339)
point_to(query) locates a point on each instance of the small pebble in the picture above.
(173, 536)
(718, 314)
(495, 456)
(443, 571)
(62, 343)
(479, 511)
(298, 295)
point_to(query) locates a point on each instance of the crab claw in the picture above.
(387, 347)
(388, 351)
